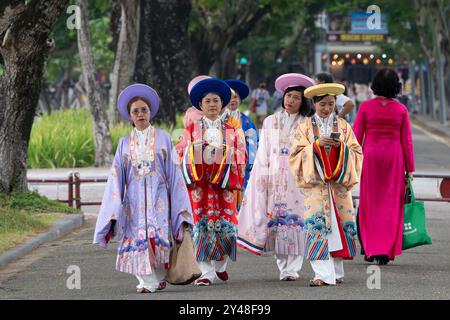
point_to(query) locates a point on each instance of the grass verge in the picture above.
(24, 214)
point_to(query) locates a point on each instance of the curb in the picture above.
(432, 126)
(60, 227)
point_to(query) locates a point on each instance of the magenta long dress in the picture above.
(383, 129)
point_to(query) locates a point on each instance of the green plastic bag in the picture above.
(414, 228)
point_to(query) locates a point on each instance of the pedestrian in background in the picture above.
(383, 128)
(260, 98)
(277, 100)
(145, 200)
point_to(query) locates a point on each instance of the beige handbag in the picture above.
(184, 268)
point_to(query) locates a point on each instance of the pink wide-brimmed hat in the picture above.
(137, 90)
(196, 80)
(292, 80)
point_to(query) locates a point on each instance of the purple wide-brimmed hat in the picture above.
(137, 90)
(292, 80)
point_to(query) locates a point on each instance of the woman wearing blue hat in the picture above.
(240, 91)
(145, 199)
(213, 165)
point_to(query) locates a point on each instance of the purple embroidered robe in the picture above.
(166, 194)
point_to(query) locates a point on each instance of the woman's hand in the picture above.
(184, 227)
(198, 152)
(187, 227)
(328, 142)
(410, 175)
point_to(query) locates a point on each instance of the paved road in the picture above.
(420, 273)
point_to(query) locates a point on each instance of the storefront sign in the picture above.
(347, 37)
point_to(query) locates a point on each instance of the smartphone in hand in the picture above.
(335, 136)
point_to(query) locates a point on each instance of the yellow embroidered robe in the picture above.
(322, 194)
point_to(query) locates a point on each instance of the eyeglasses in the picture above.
(142, 110)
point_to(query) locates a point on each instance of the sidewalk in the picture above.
(88, 172)
(432, 126)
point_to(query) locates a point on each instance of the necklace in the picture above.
(212, 131)
(142, 147)
(324, 124)
(286, 124)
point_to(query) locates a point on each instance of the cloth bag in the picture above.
(183, 268)
(414, 228)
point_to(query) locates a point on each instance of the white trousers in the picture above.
(331, 269)
(151, 281)
(289, 265)
(210, 268)
(328, 270)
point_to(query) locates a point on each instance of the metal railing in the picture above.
(74, 182)
(444, 187)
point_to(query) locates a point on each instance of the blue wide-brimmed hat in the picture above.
(240, 87)
(211, 85)
(137, 90)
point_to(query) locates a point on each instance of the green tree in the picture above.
(64, 61)
(283, 40)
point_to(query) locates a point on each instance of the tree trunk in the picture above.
(164, 60)
(227, 64)
(202, 51)
(102, 137)
(65, 85)
(115, 14)
(144, 63)
(423, 99)
(431, 97)
(437, 37)
(24, 46)
(424, 18)
(125, 55)
(214, 34)
(44, 101)
(421, 20)
(442, 12)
